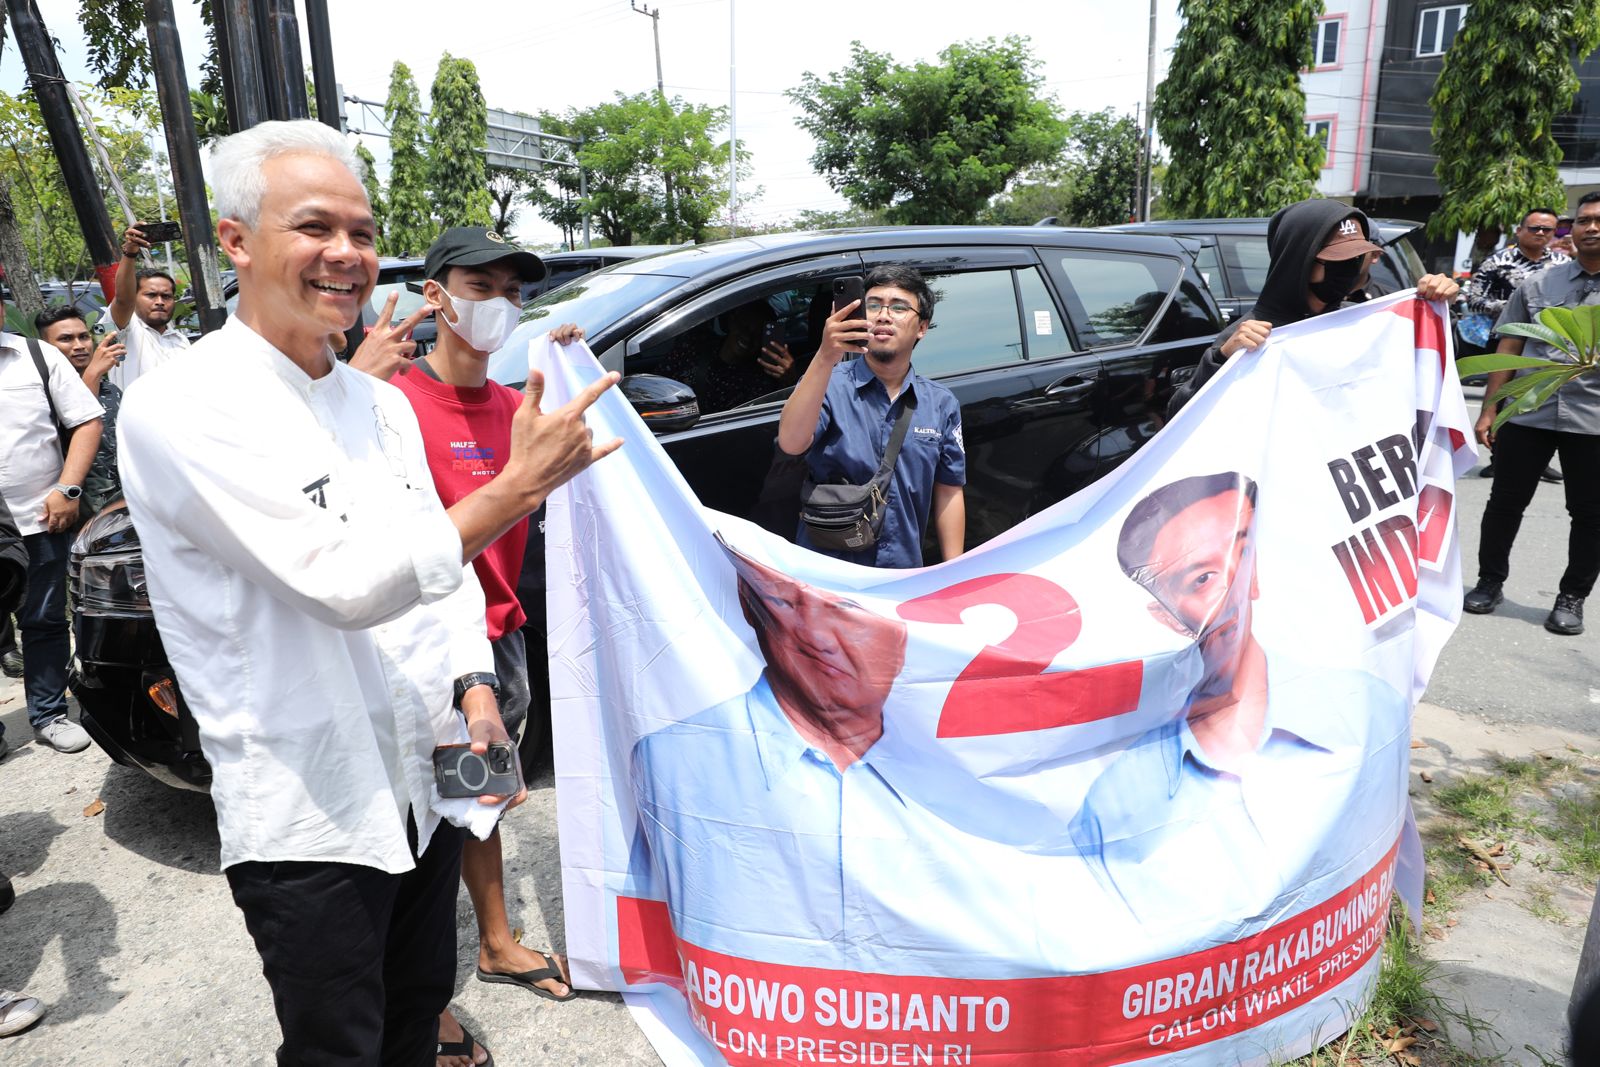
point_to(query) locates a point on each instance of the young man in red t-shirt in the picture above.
(474, 286)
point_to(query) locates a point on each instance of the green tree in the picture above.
(210, 116)
(40, 202)
(1231, 111)
(1092, 184)
(557, 201)
(631, 149)
(1506, 79)
(374, 188)
(410, 227)
(458, 128)
(509, 187)
(932, 143)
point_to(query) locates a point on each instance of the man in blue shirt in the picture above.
(1279, 784)
(841, 415)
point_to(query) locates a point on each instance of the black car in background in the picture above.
(1062, 346)
(564, 267)
(1232, 256)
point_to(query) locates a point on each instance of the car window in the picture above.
(1384, 278)
(974, 324)
(398, 284)
(720, 354)
(1041, 322)
(1188, 315)
(1246, 260)
(1209, 265)
(1114, 296)
(597, 301)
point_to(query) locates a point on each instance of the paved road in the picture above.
(1505, 667)
(123, 924)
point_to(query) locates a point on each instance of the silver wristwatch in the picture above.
(71, 492)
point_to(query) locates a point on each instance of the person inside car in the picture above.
(734, 368)
(1322, 253)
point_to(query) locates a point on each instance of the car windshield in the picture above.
(594, 302)
(597, 300)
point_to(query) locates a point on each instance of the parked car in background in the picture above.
(1233, 256)
(1061, 345)
(563, 267)
(126, 690)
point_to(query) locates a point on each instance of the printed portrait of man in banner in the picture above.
(1125, 784)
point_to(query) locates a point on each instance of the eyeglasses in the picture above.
(898, 308)
(1540, 229)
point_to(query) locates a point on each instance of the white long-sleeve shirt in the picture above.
(310, 594)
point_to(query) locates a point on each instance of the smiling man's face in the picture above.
(310, 262)
(834, 656)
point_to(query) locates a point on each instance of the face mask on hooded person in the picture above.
(1339, 280)
(484, 325)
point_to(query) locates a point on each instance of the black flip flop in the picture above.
(464, 1047)
(527, 979)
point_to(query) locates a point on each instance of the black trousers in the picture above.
(360, 962)
(1521, 454)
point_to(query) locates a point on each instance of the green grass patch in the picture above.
(1484, 802)
(1400, 1002)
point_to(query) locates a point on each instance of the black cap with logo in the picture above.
(475, 246)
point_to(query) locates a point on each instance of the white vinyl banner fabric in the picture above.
(1125, 784)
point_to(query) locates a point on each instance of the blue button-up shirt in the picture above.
(853, 434)
(763, 849)
(1219, 854)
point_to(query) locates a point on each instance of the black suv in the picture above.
(1061, 345)
(1233, 256)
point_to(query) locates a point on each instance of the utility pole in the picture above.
(661, 97)
(50, 90)
(655, 26)
(183, 153)
(733, 130)
(1145, 196)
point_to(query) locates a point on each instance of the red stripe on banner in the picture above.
(1430, 337)
(1005, 689)
(757, 1012)
(1429, 328)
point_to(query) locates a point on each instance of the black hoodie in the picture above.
(1294, 237)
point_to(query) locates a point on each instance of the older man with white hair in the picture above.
(313, 596)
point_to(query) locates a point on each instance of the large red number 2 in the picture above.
(1006, 689)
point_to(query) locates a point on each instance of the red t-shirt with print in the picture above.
(467, 436)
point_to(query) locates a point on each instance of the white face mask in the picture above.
(483, 324)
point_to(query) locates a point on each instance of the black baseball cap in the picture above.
(475, 246)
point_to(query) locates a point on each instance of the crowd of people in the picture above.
(326, 660)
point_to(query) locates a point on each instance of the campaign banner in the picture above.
(1126, 784)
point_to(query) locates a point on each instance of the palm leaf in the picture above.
(1493, 361)
(1533, 398)
(1518, 386)
(1565, 322)
(1538, 332)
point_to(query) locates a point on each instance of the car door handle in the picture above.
(1067, 389)
(1071, 386)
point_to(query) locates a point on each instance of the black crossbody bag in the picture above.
(846, 517)
(63, 435)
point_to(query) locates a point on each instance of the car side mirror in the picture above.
(666, 406)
